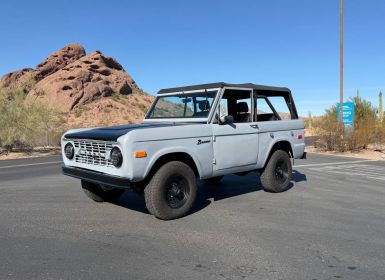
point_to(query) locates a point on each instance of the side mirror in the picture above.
(226, 119)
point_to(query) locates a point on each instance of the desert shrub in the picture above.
(328, 130)
(80, 110)
(379, 135)
(142, 107)
(116, 96)
(309, 120)
(25, 125)
(334, 137)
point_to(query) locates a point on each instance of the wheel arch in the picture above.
(283, 145)
(173, 156)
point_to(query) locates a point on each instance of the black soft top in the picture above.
(222, 84)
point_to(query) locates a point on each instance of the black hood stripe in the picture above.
(114, 132)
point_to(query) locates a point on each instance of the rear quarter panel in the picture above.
(271, 132)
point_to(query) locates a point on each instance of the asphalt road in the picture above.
(329, 225)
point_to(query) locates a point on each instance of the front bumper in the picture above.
(96, 177)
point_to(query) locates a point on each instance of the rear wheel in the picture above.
(171, 192)
(277, 174)
(97, 194)
(213, 180)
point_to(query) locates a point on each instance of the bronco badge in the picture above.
(203, 142)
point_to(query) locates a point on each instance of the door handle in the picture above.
(254, 125)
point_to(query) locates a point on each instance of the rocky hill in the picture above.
(87, 89)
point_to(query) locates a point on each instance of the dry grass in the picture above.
(25, 125)
(35, 152)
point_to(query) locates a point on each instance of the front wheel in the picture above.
(171, 192)
(97, 194)
(277, 174)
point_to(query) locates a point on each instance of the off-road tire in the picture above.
(161, 191)
(213, 180)
(97, 194)
(274, 180)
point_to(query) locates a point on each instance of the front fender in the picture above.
(177, 149)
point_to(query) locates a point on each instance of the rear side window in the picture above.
(264, 111)
(272, 108)
(280, 106)
(263, 107)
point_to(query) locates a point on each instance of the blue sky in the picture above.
(172, 43)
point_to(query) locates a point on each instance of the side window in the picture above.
(280, 106)
(264, 111)
(243, 110)
(236, 103)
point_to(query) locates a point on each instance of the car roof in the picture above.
(222, 84)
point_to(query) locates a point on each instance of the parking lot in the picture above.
(329, 225)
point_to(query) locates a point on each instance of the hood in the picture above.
(114, 132)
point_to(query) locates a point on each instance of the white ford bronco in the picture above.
(189, 133)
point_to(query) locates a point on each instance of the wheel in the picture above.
(213, 180)
(97, 194)
(171, 192)
(277, 174)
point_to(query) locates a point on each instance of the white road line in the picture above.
(30, 164)
(334, 163)
(359, 169)
(336, 169)
(347, 172)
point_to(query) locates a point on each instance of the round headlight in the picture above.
(116, 157)
(69, 151)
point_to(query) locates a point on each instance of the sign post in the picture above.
(347, 114)
(341, 57)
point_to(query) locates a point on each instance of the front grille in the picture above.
(93, 152)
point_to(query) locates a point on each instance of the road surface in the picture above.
(329, 225)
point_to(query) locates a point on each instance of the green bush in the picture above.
(23, 125)
(368, 128)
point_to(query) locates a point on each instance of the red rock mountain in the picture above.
(88, 89)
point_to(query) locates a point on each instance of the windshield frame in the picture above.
(184, 119)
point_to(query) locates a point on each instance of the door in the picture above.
(235, 143)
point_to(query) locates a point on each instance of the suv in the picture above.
(189, 133)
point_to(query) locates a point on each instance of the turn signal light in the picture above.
(140, 154)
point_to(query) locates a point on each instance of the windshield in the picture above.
(187, 105)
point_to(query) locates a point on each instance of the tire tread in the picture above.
(153, 203)
(267, 177)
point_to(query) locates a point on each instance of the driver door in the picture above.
(235, 143)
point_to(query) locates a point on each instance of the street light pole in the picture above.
(341, 62)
